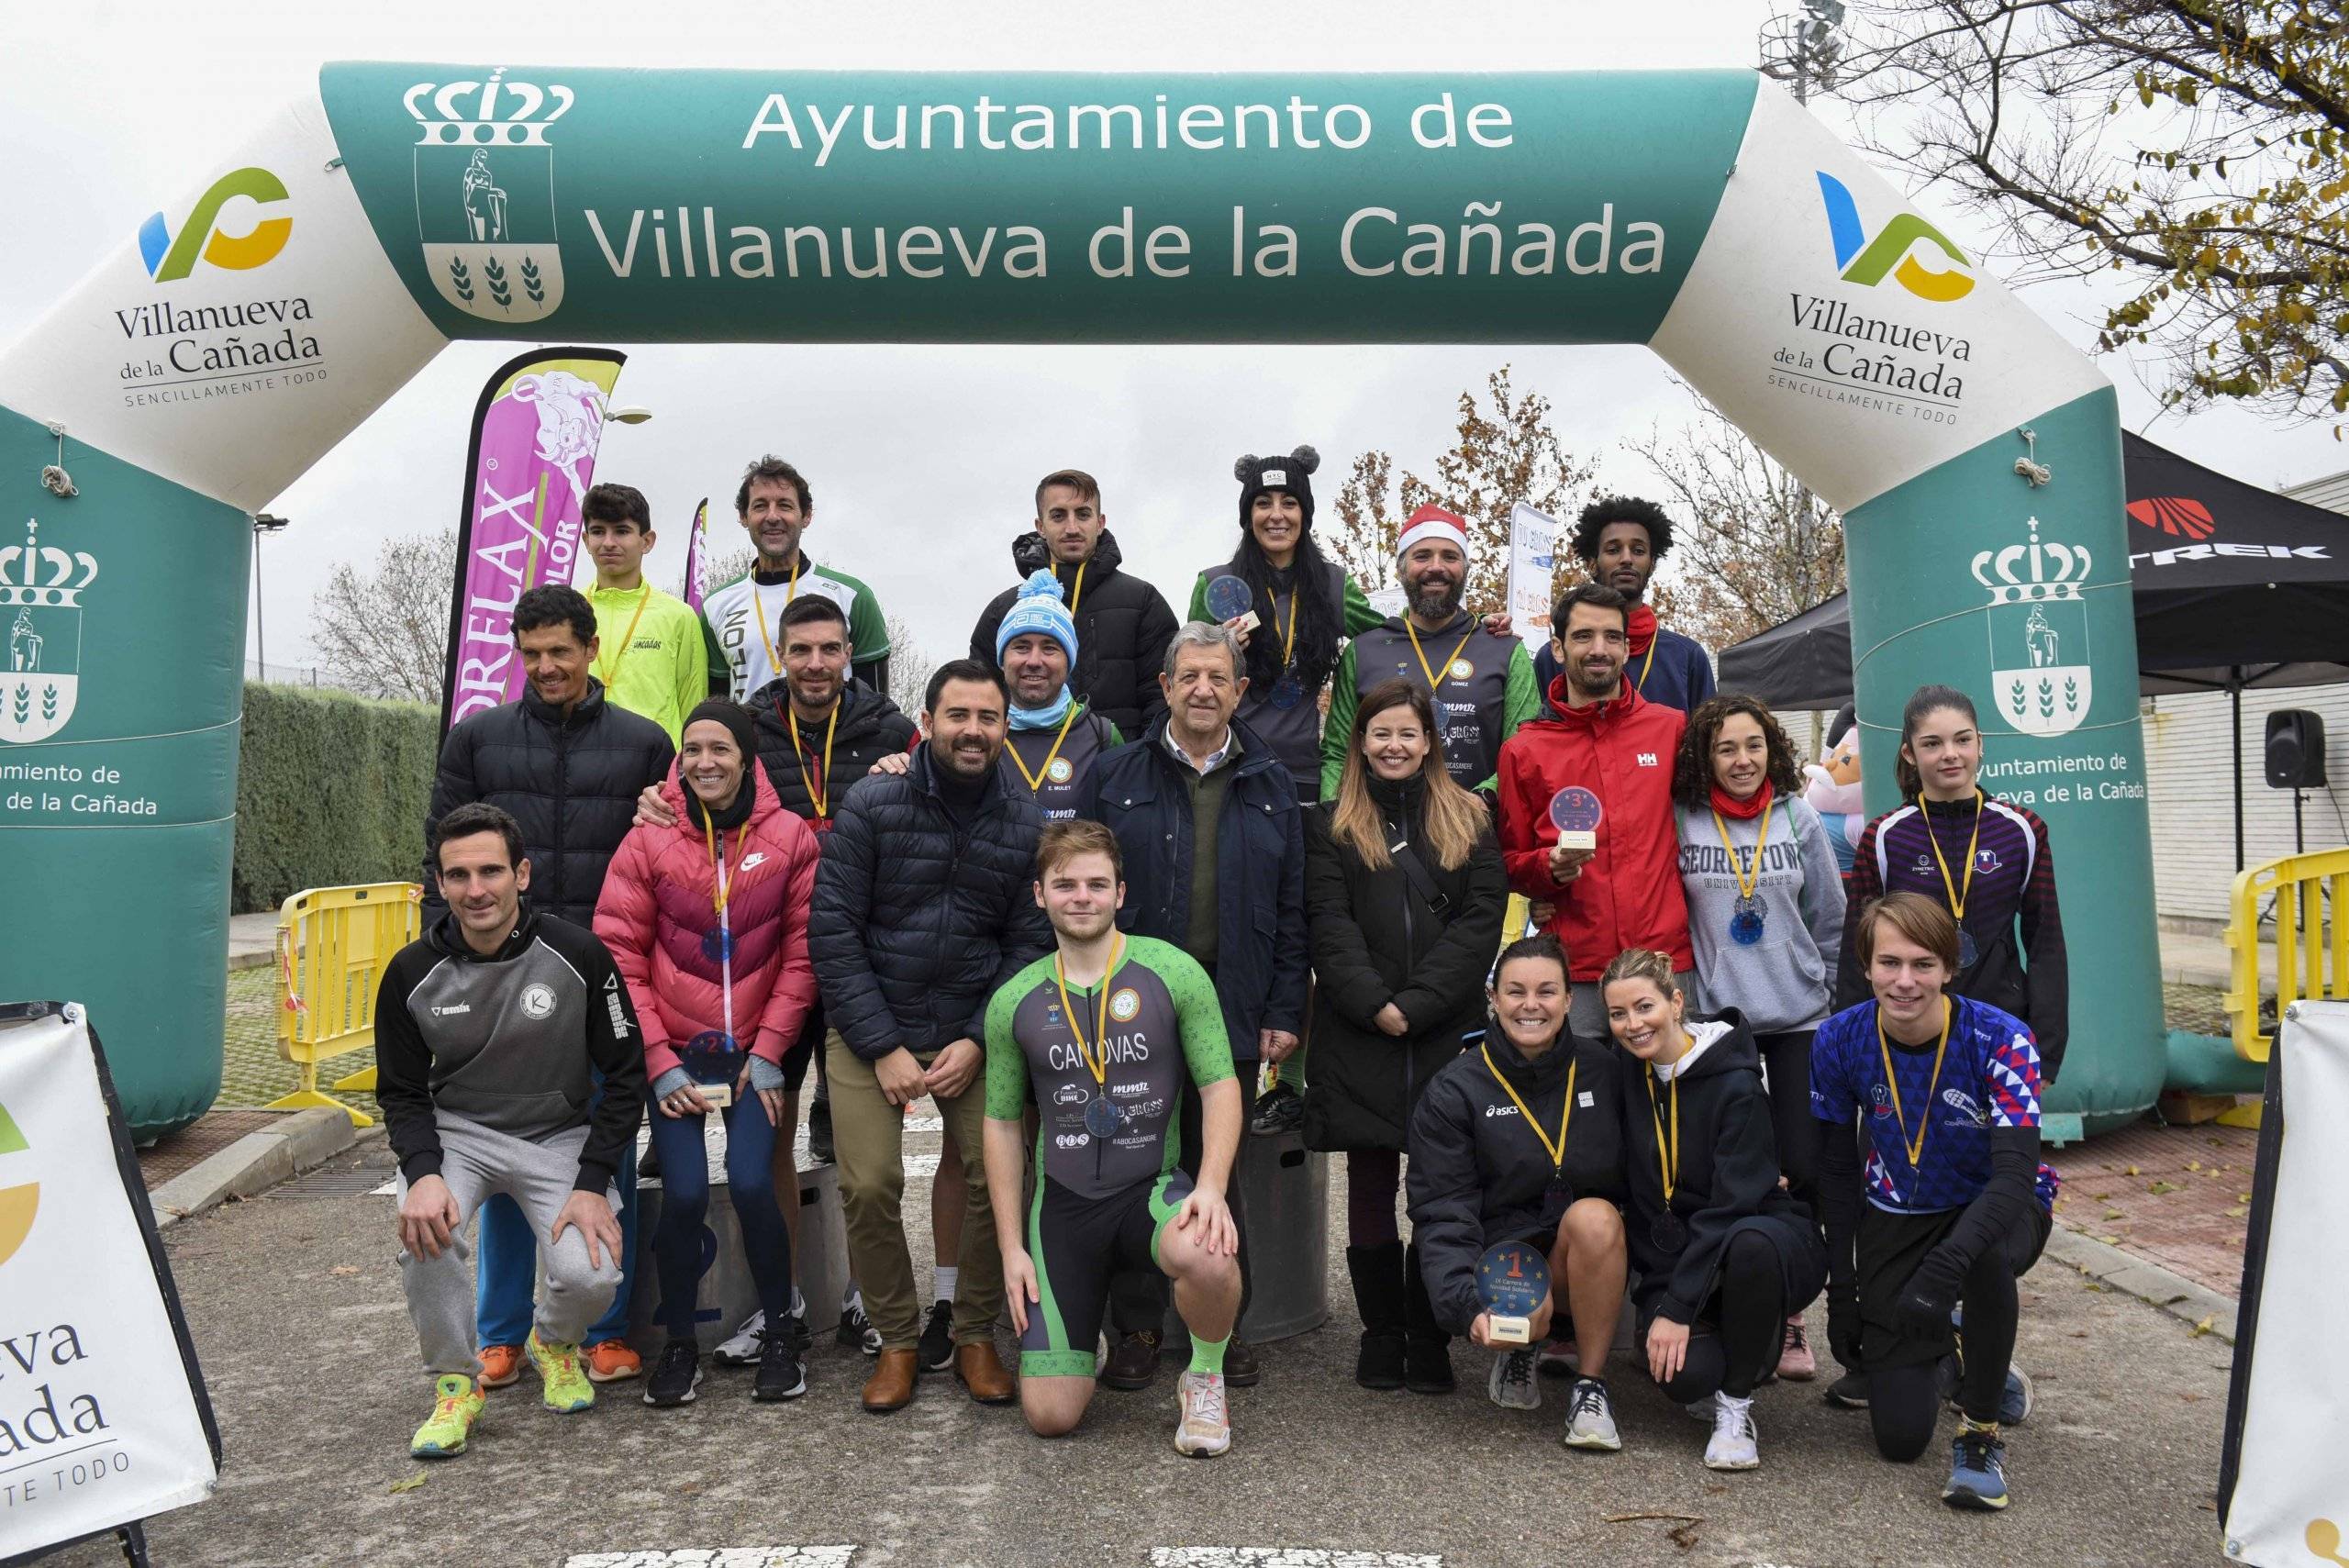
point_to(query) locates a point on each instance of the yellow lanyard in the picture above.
(1745, 885)
(722, 892)
(1557, 1152)
(1097, 1062)
(1641, 685)
(1036, 779)
(1076, 587)
(1670, 1172)
(1892, 1085)
(1413, 632)
(1958, 894)
(819, 789)
(759, 607)
(626, 639)
(1288, 638)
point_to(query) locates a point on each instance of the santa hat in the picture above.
(1431, 522)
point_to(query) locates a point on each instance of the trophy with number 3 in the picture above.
(1574, 812)
(1230, 598)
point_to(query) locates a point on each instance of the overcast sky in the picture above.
(922, 458)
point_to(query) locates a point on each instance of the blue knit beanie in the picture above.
(1038, 609)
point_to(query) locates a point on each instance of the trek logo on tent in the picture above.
(2181, 515)
(1865, 261)
(18, 1203)
(203, 235)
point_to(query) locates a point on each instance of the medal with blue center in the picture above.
(1102, 1118)
(1747, 919)
(714, 1057)
(1960, 893)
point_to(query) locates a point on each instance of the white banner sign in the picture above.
(99, 1423)
(2291, 1497)
(1532, 538)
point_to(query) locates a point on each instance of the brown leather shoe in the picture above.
(982, 1373)
(1133, 1360)
(890, 1386)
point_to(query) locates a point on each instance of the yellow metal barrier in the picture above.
(332, 945)
(2310, 939)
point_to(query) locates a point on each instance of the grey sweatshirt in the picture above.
(1786, 980)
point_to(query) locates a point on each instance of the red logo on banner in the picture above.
(2179, 515)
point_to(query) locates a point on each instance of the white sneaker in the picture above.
(1206, 1425)
(742, 1350)
(1590, 1423)
(1512, 1385)
(1733, 1445)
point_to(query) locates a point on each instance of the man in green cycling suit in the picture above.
(1090, 1033)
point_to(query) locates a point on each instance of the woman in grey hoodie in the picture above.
(1765, 916)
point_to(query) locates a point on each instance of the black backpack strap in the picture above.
(1407, 861)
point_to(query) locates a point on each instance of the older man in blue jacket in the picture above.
(1214, 846)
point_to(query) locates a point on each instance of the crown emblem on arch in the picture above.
(485, 193)
(2032, 571)
(494, 113)
(2038, 627)
(40, 635)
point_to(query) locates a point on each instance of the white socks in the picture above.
(946, 1277)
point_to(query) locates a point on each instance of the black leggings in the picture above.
(1730, 1354)
(1904, 1401)
(1787, 1057)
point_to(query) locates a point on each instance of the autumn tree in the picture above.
(2195, 147)
(724, 567)
(1750, 545)
(910, 667)
(385, 632)
(1505, 452)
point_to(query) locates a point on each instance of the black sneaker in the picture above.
(857, 1332)
(1849, 1390)
(675, 1375)
(803, 1339)
(936, 1352)
(1133, 1360)
(1282, 1110)
(820, 1133)
(1240, 1367)
(780, 1376)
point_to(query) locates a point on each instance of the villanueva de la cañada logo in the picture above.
(40, 628)
(1866, 261)
(18, 1200)
(2038, 625)
(202, 236)
(485, 194)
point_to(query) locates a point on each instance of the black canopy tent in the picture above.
(2233, 586)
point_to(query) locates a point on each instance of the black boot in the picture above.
(1377, 1272)
(1427, 1355)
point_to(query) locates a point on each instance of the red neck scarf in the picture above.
(1751, 807)
(1642, 628)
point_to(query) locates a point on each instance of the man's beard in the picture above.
(1436, 604)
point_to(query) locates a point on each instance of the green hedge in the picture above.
(332, 789)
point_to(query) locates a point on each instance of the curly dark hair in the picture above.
(1692, 772)
(1621, 509)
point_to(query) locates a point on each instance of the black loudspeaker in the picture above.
(2295, 749)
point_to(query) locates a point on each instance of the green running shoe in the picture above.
(567, 1388)
(456, 1405)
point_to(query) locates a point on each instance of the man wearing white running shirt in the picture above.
(742, 621)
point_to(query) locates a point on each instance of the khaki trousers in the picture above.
(868, 1141)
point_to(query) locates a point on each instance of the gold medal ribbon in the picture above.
(1641, 685)
(820, 788)
(721, 892)
(1958, 894)
(1745, 885)
(1096, 1060)
(1413, 632)
(626, 638)
(1036, 779)
(1557, 1152)
(1915, 1147)
(1670, 1172)
(758, 608)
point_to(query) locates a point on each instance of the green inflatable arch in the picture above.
(241, 332)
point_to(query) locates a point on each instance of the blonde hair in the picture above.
(1641, 963)
(1452, 819)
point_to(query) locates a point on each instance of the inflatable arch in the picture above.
(242, 331)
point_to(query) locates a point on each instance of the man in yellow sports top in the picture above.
(650, 651)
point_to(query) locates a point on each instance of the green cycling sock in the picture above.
(1207, 1355)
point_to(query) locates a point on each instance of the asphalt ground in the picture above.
(296, 1311)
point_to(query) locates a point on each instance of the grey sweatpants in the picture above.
(477, 1162)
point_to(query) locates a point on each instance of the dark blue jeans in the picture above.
(685, 1203)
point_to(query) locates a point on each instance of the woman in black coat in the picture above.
(1405, 892)
(1723, 1253)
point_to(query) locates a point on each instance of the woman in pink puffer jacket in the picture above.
(708, 922)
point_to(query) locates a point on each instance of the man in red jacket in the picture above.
(1608, 739)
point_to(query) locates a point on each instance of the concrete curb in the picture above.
(260, 960)
(254, 1163)
(2150, 1283)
